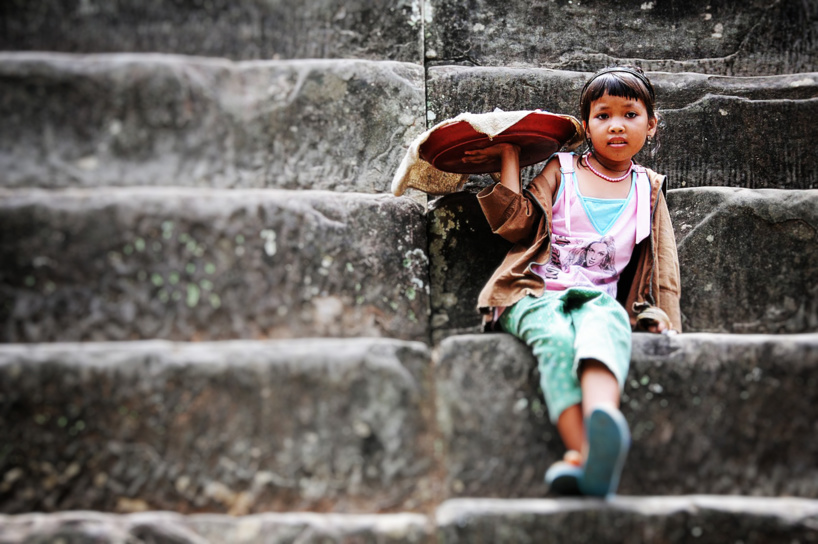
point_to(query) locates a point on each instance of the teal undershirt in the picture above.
(602, 212)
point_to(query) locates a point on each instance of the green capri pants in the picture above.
(564, 328)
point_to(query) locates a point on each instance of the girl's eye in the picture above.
(602, 116)
(631, 114)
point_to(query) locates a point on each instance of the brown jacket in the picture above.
(524, 219)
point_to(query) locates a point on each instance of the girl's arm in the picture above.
(509, 155)
(510, 213)
(510, 169)
(548, 179)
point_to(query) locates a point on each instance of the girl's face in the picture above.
(618, 127)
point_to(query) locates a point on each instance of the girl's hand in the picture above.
(653, 319)
(490, 154)
(509, 155)
(660, 327)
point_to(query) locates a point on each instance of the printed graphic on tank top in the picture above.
(592, 239)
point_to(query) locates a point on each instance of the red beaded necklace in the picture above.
(603, 176)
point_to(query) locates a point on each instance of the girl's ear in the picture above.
(653, 123)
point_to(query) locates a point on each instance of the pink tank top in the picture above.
(592, 240)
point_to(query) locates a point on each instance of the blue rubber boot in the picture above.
(609, 440)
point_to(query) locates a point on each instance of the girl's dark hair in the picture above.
(622, 81)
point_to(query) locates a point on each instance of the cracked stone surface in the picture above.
(231, 427)
(202, 172)
(728, 413)
(180, 264)
(705, 36)
(239, 29)
(724, 414)
(170, 528)
(156, 120)
(748, 260)
(698, 518)
(463, 254)
(716, 130)
(497, 437)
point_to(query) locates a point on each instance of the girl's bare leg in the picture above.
(599, 387)
(572, 428)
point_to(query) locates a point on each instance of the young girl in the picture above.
(593, 247)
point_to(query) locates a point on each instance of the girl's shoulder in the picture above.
(552, 165)
(551, 174)
(557, 160)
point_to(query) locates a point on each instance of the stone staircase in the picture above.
(219, 327)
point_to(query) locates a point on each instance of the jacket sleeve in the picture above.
(668, 278)
(514, 216)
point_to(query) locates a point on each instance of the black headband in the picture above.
(640, 76)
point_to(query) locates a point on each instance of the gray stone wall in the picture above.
(182, 264)
(239, 30)
(704, 36)
(191, 205)
(157, 121)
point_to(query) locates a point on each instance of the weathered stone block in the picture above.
(716, 130)
(463, 254)
(718, 37)
(169, 528)
(727, 414)
(154, 120)
(240, 30)
(497, 439)
(749, 259)
(708, 413)
(705, 519)
(318, 529)
(238, 427)
(182, 264)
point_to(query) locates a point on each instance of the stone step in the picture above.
(199, 264)
(376, 425)
(720, 414)
(240, 30)
(159, 120)
(749, 260)
(626, 520)
(706, 36)
(233, 427)
(751, 132)
(695, 518)
(703, 36)
(170, 528)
